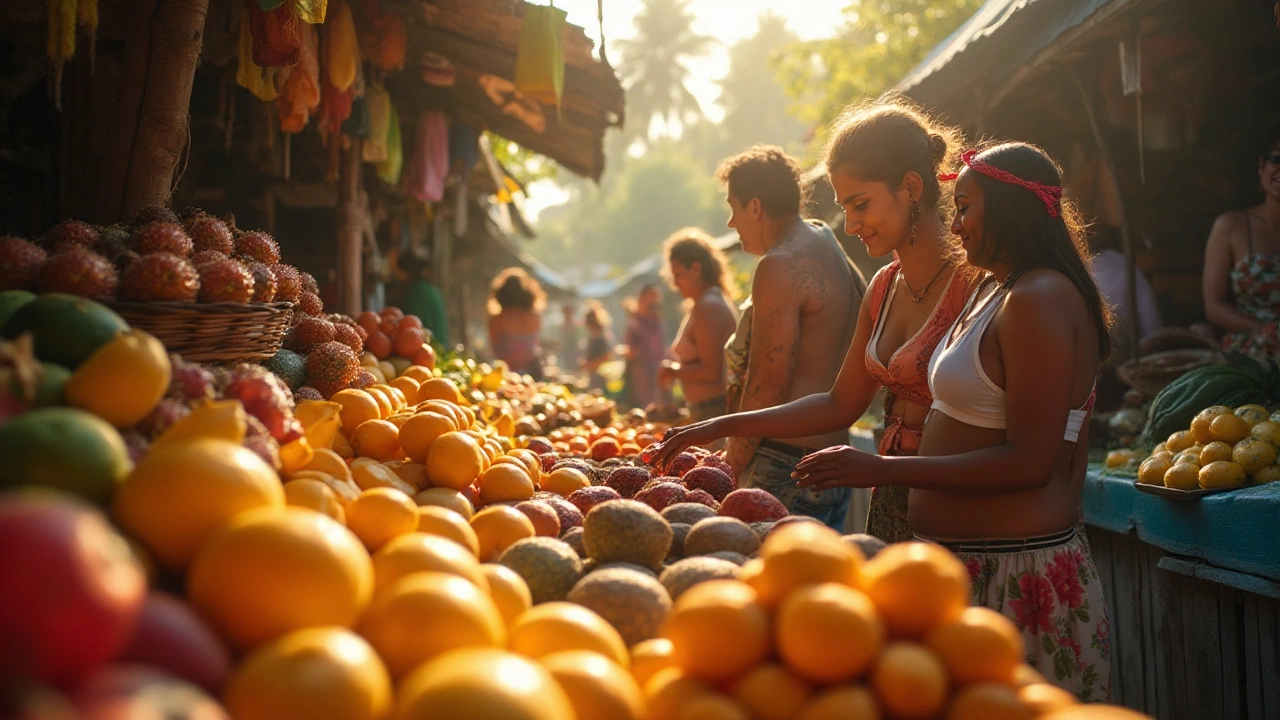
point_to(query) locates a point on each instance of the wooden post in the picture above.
(351, 216)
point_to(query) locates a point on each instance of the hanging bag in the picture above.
(539, 55)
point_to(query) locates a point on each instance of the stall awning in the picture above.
(1002, 37)
(648, 269)
(480, 39)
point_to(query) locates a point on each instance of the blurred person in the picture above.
(599, 347)
(421, 297)
(699, 272)
(516, 302)
(1242, 267)
(645, 347)
(882, 160)
(567, 355)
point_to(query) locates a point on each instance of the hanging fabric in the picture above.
(539, 55)
(342, 53)
(357, 125)
(301, 92)
(277, 35)
(389, 169)
(335, 106)
(463, 147)
(310, 11)
(383, 37)
(378, 105)
(429, 161)
(249, 75)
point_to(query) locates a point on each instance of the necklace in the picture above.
(919, 296)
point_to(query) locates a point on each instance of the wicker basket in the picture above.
(212, 332)
(1151, 373)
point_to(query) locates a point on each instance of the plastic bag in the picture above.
(539, 56)
(301, 92)
(389, 169)
(277, 35)
(310, 11)
(341, 52)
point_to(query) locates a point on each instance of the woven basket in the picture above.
(1151, 373)
(212, 332)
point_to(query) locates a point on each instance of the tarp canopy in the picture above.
(647, 269)
(1002, 37)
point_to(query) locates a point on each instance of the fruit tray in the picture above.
(212, 332)
(1176, 494)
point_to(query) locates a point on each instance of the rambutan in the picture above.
(79, 271)
(225, 281)
(306, 392)
(348, 336)
(154, 213)
(288, 283)
(69, 234)
(259, 246)
(205, 256)
(168, 237)
(309, 282)
(264, 281)
(309, 333)
(208, 233)
(160, 277)
(332, 366)
(309, 303)
(20, 263)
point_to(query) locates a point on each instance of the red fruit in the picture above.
(379, 344)
(409, 321)
(370, 321)
(257, 245)
(264, 281)
(702, 497)
(364, 334)
(605, 448)
(288, 284)
(154, 213)
(424, 356)
(660, 495)
(70, 234)
(309, 303)
(540, 445)
(752, 505)
(309, 282)
(309, 333)
(225, 281)
(578, 464)
(348, 336)
(718, 463)
(392, 311)
(409, 341)
(79, 271)
(681, 464)
(389, 324)
(472, 494)
(712, 479)
(20, 263)
(548, 461)
(568, 513)
(160, 276)
(363, 380)
(208, 256)
(72, 589)
(162, 237)
(546, 521)
(306, 392)
(588, 497)
(332, 366)
(135, 691)
(171, 636)
(209, 233)
(628, 480)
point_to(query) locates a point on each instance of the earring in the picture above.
(914, 214)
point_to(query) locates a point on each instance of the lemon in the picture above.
(1180, 441)
(1267, 430)
(1153, 469)
(1201, 422)
(1214, 451)
(1253, 454)
(1184, 476)
(1267, 475)
(1252, 414)
(1191, 456)
(1221, 474)
(1229, 429)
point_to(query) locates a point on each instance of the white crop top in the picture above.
(961, 388)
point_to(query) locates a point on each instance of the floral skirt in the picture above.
(1049, 587)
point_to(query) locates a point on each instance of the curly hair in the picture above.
(515, 289)
(767, 173)
(691, 245)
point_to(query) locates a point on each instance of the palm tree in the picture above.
(653, 65)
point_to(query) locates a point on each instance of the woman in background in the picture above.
(599, 343)
(516, 302)
(645, 347)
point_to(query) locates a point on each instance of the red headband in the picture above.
(1050, 195)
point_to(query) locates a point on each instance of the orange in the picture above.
(398, 399)
(554, 626)
(711, 707)
(418, 552)
(503, 482)
(447, 498)
(1267, 430)
(270, 572)
(1024, 675)
(598, 688)
(916, 586)
(564, 481)
(910, 681)
(447, 409)
(383, 398)
(377, 439)
(980, 645)
(1229, 429)
(669, 691)
(413, 473)
(439, 521)
(481, 684)
(408, 387)
(395, 401)
(419, 431)
(468, 414)
(122, 381)
(578, 444)
(497, 527)
(379, 515)
(311, 674)
(400, 418)
(328, 461)
(1213, 452)
(221, 419)
(843, 702)
(532, 462)
(828, 633)
(315, 495)
(1042, 697)
(1201, 422)
(802, 554)
(988, 701)
(182, 493)
(440, 389)
(417, 372)
(358, 406)
(650, 656)
(455, 460)
(1094, 712)
(771, 692)
(425, 614)
(718, 630)
(368, 474)
(1181, 440)
(344, 490)
(508, 591)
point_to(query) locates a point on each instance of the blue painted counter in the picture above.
(1237, 530)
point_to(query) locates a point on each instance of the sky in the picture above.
(726, 20)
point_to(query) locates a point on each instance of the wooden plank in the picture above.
(1253, 679)
(1170, 651)
(1147, 557)
(1230, 603)
(1268, 638)
(1221, 576)
(1203, 648)
(1128, 650)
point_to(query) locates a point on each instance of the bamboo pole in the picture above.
(350, 229)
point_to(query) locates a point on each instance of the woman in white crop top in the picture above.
(1001, 463)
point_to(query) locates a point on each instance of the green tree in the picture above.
(755, 101)
(880, 41)
(653, 66)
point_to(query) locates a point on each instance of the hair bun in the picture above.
(937, 148)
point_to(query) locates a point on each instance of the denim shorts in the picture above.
(771, 470)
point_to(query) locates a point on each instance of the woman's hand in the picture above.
(839, 466)
(679, 439)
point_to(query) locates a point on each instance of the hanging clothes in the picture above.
(539, 55)
(301, 91)
(249, 75)
(342, 53)
(378, 102)
(311, 11)
(464, 149)
(389, 169)
(383, 37)
(277, 34)
(429, 162)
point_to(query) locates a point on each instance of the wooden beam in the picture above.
(350, 229)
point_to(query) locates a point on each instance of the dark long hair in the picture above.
(1018, 229)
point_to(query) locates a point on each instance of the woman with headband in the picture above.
(1000, 469)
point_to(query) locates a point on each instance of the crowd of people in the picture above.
(986, 333)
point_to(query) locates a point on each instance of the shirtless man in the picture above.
(804, 305)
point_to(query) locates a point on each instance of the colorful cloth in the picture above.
(1255, 286)
(1055, 598)
(906, 376)
(429, 163)
(539, 56)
